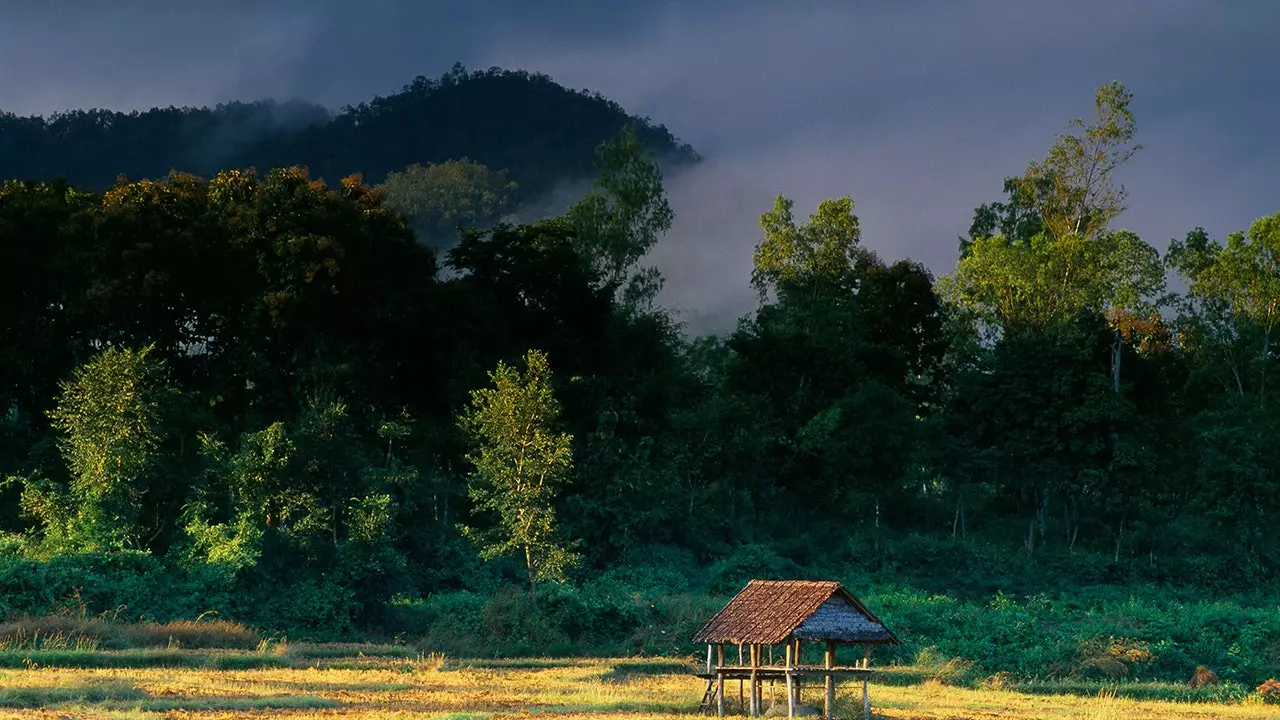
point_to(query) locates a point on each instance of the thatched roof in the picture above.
(772, 611)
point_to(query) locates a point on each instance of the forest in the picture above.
(388, 401)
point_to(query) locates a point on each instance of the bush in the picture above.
(1269, 691)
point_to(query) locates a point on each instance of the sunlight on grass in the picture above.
(382, 684)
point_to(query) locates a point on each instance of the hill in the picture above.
(525, 123)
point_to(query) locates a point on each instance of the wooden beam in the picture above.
(708, 658)
(866, 701)
(829, 705)
(866, 655)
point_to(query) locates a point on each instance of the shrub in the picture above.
(1203, 677)
(1269, 691)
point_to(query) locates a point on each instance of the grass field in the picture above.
(380, 682)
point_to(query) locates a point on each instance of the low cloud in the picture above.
(917, 108)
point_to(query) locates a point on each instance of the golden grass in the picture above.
(379, 686)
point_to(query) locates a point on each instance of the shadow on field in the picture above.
(93, 692)
(1167, 692)
(1132, 690)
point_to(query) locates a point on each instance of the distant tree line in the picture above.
(266, 382)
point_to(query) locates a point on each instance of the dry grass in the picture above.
(69, 632)
(374, 684)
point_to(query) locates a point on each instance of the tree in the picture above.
(439, 198)
(112, 419)
(1048, 256)
(520, 460)
(1244, 274)
(1072, 189)
(822, 249)
(622, 217)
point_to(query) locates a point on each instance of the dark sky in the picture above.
(917, 108)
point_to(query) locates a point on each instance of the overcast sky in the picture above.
(916, 108)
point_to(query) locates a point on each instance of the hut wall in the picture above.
(838, 619)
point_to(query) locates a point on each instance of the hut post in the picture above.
(742, 698)
(791, 696)
(866, 655)
(708, 658)
(829, 705)
(755, 663)
(720, 679)
(798, 678)
(720, 691)
(866, 700)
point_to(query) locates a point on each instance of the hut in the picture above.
(785, 614)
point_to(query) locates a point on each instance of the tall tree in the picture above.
(520, 460)
(622, 216)
(112, 419)
(1073, 189)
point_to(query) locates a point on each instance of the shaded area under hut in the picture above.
(784, 615)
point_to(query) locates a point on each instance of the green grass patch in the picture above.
(351, 650)
(1227, 692)
(139, 659)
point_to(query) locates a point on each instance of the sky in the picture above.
(916, 108)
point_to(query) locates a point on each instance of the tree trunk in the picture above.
(533, 587)
(1119, 535)
(1117, 352)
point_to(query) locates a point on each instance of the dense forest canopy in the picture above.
(249, 382)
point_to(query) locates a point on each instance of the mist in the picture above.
(917, 110)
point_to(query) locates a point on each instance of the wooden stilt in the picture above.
(791, 697)
(866, 701)
(755, 680)
(742, 698)
(708, 658)
(798, 680)
(829, 704)
(720, 693)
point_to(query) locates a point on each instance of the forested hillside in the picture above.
(526, 127)
(259, 394)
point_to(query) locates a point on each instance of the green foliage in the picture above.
(520, 461)
(821, 249)
(437, 199)
(622, 217)
(112, 420)
(1072, 189)
(314, 411)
